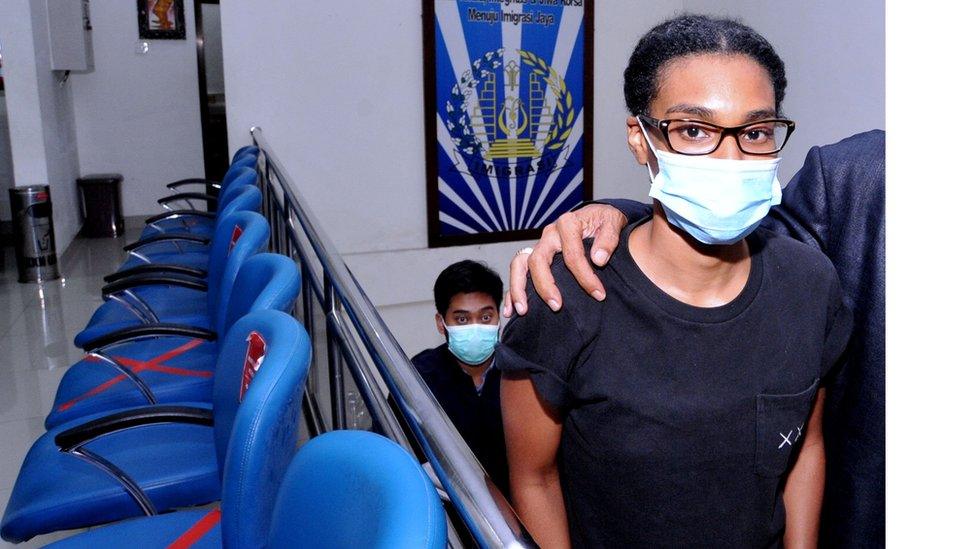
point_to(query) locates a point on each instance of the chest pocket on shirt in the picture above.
(780, 424)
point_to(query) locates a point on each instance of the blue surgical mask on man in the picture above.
(715, 200)
(472, 344)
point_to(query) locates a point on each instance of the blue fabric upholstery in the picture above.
(238, 176)
(176, 464)
(357, 489)
(260, 441)
(178, 305)
(172, 368)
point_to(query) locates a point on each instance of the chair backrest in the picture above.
(244, 176)
(258, 388)
(265, 281)
(244, 198)
(244, 161)
(356, 489)
(250, 149)
(237, 237)
(247, 160)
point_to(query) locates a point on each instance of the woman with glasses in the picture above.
(684, 410)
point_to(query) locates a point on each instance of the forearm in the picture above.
(803, 497)
(539, 503)
(532, 434)
(803, 493)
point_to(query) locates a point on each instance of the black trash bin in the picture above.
(101, 205)
(37, 258)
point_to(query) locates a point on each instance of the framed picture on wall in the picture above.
(161, 20)
(508, 89)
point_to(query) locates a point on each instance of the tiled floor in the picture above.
(37, 325)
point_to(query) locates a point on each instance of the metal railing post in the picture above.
(337, 385)
(310, 406)
(352, 322)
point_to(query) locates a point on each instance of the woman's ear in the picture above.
(638, 144)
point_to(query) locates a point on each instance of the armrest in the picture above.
(153, 268)
(166, 237)
(191, 181)
(153, 279)
(147, 415)
(180, 213)
(188, 196)
(149, 330)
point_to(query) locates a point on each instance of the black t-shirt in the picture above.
(679, 421)
(478, 417)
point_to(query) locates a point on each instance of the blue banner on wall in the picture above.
(508, 92)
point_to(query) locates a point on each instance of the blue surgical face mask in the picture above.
(715, 200)
(472, 344)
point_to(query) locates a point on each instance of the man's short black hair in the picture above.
(465, 277)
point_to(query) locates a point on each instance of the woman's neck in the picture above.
(687, 270)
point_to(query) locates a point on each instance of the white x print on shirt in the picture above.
(789, 439)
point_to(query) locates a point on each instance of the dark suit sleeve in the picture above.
(804, 211)
(632, 209)
(837, 333)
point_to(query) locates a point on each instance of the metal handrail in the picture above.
(482, 508)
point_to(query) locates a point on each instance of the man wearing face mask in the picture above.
(460, 373)
(836, 203)
(685, 408)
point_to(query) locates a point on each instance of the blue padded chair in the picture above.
(152, 366)
(183, 253)
(243, 161)
(248, 150)
(249, 160)
(151, 459)
(343, 489)
(200, 221)
(357, 489)
(170, 298)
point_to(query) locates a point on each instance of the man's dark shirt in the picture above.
(679, 422)
(836, 202)
(478, 417)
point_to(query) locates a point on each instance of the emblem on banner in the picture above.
(491, 118)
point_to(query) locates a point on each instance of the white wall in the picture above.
(138, 114)
(338, 92)
(39, 108)
(834, 55)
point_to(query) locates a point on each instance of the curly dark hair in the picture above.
(689, 35)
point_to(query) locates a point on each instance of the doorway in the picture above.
(6, 170)
(210, 71)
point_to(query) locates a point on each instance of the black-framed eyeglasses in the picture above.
(695, 138)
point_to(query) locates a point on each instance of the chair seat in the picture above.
(202, 226)
(174, 369)
(174, 464)
(197, 260)
(172, 304)
(197, 528)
